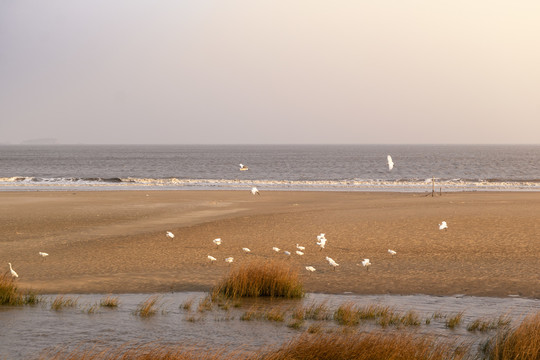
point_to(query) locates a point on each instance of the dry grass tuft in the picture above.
(271, 279)
(487, 325)
(453, 321)
(11, 295)
(148, 307)
(61, 302)
(372, 346)
(109, 302)
(522, 342)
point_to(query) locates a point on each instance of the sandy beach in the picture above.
(115, 242)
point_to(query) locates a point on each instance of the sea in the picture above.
(417, 168)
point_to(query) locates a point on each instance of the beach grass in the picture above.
(11, 295)
(268, 279)
(109, 302)
(148, 307)
(61, 302)
(521, 342)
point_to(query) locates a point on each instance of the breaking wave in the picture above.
(413, 185)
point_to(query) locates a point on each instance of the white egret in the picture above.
(332, 262)
(390, 162)
(13, 273)
(255, 191)
(246, 250)
(170, 234)
(366, 264)
(443, 226)
(276, 249)
(298, 252)
(300, 247)
(229, 260)
(392, 252)
(217, 242)
(43, 254)
(310, 268)
(211, 258)
(243, 167)
(321, 241)
(287, 253)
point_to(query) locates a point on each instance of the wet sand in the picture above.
(115, 242)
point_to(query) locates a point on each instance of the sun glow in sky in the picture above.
(229, 72)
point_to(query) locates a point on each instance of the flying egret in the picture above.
(13, 273)
(276, 249)
(217, 242)
(243, 167)
(300, 247)
(211, 258)
(366, 264)
(443, 226)
(321, 241)
(390, 162)
(246, 250)
(255, 191)
(392, 252)
(287, 253)
(43, 254)
(298, 252)
(170, 234)
(229, 260)
(310, 268)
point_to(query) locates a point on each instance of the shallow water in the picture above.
(28, 331)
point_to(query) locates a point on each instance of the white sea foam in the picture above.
(414, 185)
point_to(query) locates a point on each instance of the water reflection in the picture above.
(28, 331)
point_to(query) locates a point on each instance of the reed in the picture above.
(521, 342)
(372, 346)
(61, 302)
(454, 320)
(148, 307)
(268, 279)
(483, 325)
(11, 295)
(109, 302)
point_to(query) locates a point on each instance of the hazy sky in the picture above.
(229, 72)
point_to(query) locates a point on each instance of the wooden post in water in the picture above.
(432, 186)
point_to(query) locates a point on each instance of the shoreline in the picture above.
(114, 241)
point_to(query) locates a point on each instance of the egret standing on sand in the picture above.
(298, 252)
(243, 167)
(217, 242)
(390, 162)
(246, 250)
(443, 226)
(287, 253)
(255, 191)
(170, 234)
(229, 260)
(392, 252)
(300, 247)
(13, 273)
(211, 258)
(321, 241)
(366, 264)
(332, 262)
(310, 268)
(43, 254)
(276, 249)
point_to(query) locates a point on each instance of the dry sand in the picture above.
(114, 242)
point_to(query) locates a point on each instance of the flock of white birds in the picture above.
(321, 240)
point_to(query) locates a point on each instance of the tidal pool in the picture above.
(29, 331)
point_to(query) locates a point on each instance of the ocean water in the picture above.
(271, 167)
